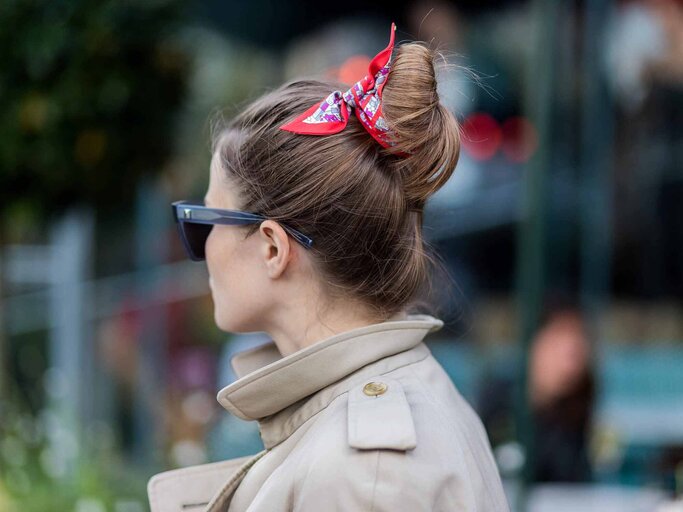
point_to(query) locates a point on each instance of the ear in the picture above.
(276, 249)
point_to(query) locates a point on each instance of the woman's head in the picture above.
(361, 203)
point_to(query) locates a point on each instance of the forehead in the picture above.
(215, 166)
(220, 193)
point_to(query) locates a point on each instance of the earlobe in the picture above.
(276, 246)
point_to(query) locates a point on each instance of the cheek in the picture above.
(236, 284)
(224, 259)
(218, 251)
(210, 250)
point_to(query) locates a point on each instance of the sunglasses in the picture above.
(195, 222)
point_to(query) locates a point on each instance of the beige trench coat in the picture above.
(366, 420)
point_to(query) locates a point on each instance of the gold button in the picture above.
(375, 388)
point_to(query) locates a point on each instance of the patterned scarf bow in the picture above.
(364, 97)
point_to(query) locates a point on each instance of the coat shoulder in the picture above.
(406, 430)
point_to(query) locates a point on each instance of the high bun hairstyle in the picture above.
(361, 203)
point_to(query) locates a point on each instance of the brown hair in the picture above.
(361, 204)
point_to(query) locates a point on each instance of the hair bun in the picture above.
(422, 127)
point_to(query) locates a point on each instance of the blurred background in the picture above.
(562, 228)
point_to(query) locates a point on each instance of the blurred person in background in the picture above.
(561, 392)
(312, 232)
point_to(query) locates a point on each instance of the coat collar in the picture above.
(271, 388)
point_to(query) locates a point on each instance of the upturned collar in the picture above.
(269, 385)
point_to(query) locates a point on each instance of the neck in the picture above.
(295, 327)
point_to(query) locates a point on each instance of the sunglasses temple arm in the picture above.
(299, 236)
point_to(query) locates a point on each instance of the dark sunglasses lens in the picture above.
(195, 236)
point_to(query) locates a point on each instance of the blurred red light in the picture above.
(481, 136)
(520, 139)
(353, 69)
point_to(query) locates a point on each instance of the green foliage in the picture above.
(32, 477)
(88, 94)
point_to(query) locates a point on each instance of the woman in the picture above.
(311, 233)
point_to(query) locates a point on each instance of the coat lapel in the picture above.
(198, 488)
(221, 500)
